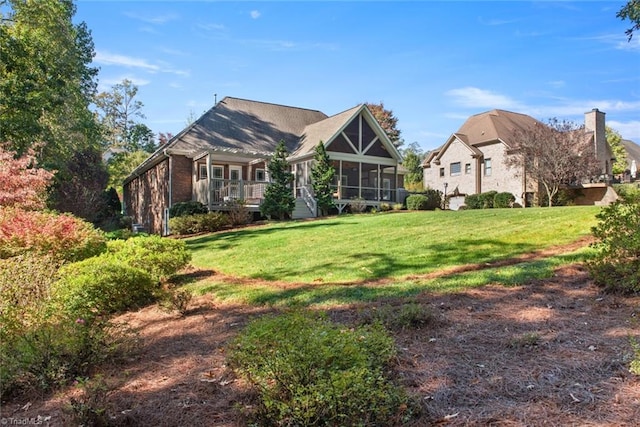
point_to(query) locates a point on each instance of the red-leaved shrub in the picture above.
(61, 236)
(22, 183)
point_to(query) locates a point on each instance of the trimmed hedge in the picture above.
(503, 200)
(199, 223)
(428, 200)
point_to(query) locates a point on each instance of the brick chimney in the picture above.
(594, 122)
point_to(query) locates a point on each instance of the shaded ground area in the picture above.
(553, 352)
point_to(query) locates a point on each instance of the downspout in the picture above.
(166, 213)
(479, 175)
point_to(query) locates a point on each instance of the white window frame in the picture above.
(202, 171)
(264, 175)
(217, 167)
(488, 167)
(459, 168)
(467, 168)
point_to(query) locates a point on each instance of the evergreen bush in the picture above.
(160, 257)
(616, 265)
(503, 200)
(310, 371)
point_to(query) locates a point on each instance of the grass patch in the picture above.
(354, 248)
(327, 295)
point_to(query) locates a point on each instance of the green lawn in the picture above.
(352, 249)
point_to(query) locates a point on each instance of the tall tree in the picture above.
(553, 154)
(121, 165)
(79, 188)
(413, 157)
(631, 11)
(387, 121)
(278, 200)
(119, 111)
(322, 173)
(619, 152)
(46, 82)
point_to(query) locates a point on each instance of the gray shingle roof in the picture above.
(244, 125)
(323, 131)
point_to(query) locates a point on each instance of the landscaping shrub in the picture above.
(187, 208)
(198, 223)
(616, 265)
(503, 200)
(480, 201)
(310, 371)
(101, 286)
(160, 257)
(238, 213)
(411, 315)
(417, 202)
(358, 205)
(41, 344)
(628, 192)
(60, 236)
(429, 199)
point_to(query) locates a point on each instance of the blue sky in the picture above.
(432, 63)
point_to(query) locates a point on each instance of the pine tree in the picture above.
(322, 174)
(278, 200)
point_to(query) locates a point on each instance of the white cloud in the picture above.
(107, 58)
(255, 14)
(105, 84)
(474, 97)
(628, 130)
(156, 19)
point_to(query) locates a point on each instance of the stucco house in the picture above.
(472, 160)
(224, 155)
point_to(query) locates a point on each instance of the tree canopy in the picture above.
(46, 81)
(119, 112)
(631, 11)
(553, 154)
(413, 157)
(619, 152)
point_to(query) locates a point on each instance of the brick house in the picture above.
(224, 155)
(472, 160)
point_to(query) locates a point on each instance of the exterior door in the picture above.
(235, 176)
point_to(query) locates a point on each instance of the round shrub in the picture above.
(61, 236)
(503, 200)
(310, 371)
(187, 208)
(417, 202)
(101, 286)
(159, 256)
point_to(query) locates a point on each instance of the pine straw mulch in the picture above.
(552, 352)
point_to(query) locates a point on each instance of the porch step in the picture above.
(301, 211)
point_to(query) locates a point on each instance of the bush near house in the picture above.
(429, 199)
(310, 371)
(503, 200)
(199, 223)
